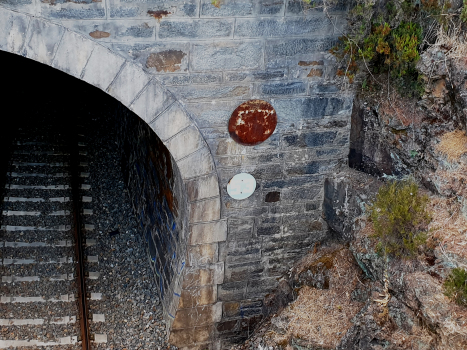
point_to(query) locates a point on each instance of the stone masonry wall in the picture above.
(212, 56)
(159, 201)
(281, 221)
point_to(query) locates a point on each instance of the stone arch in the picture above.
(194, 309)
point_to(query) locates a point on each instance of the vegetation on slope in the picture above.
(387, 38)
(400, 218)
(456, 286)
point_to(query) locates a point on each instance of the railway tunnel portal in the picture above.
(183, 74)
(118, 155)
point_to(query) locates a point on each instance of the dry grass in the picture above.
(321, 317)
(449, 227)
(453, 144)
(454, 40)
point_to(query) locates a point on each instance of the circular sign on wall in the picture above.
(241, 186)
(252, 122)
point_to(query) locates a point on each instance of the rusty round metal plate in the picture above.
(252, 122)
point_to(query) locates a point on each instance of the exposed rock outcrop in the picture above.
(347, 296)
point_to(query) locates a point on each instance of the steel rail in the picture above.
(79, 241)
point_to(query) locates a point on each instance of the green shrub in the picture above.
(463, 15)
(389, 39)
(400, 218)
(455, 286)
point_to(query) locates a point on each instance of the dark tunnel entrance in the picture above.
(133, 215)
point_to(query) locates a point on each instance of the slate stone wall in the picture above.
(159, 200)
(282, 220)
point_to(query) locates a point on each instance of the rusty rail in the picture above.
(79, 241)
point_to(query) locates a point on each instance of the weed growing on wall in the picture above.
(400, 218)
(216, 3)
(455, 286)
(381, 40)
(318, 4)
(389, 36)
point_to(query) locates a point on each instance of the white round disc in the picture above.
(241, 186)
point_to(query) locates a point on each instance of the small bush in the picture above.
(463, 15)
(400, 218)
(389, 39)
(455, 286)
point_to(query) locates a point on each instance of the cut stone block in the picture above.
(185, 142)
(203, 187)
(208, 232)
(205, 211)
(102, 68)
(197, 317)
(196, 164)
(13, 25)
(73, 54)
(204, 295)
(129, 82)
(204, 254)
(171, 122)
(188, 337)
(153, 101)
(42, 41)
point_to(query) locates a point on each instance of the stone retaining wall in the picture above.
(160, 203)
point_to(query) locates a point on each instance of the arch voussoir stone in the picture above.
(14, 26)
(202, 187)
(73, 53)
(42, 41)
(102, 67)
(152, 101)
(196, 164)
(184, 143)
(128, 84)
(173, 120)
(194, 310)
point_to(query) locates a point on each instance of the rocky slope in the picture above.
(347, 296)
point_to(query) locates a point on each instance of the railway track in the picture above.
(44, 267)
